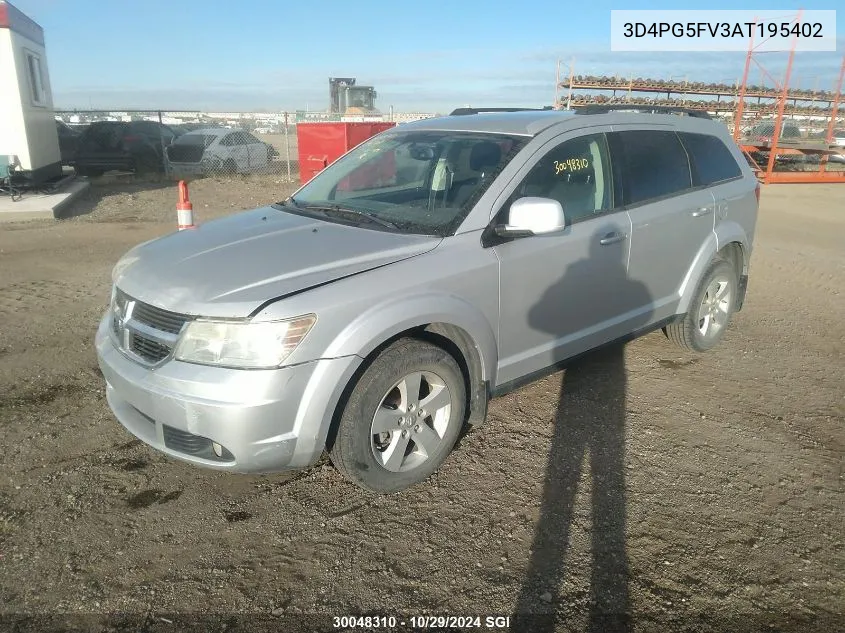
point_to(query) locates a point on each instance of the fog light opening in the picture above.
(218, 450)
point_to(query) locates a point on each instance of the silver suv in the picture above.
(376, 311)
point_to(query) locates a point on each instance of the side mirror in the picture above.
(533, 216)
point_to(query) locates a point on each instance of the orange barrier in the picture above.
(184, 208)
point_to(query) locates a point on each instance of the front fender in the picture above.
(384, 321)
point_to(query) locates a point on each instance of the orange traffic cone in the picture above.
(184, 208)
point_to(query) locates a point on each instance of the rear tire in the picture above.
(402, 418)
(710, 311)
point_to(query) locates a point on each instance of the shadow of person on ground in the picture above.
(589, 422)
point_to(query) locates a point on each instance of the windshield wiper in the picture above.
(336, 208)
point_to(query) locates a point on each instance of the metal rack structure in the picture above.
(774, 148)
(748, 105)
(800, 102)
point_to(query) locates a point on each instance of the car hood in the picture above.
(231, 266)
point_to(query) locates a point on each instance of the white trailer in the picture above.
(28, 133)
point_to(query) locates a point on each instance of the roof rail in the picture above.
(462, 111)
(642, 109)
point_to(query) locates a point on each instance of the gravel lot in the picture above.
(697, 493)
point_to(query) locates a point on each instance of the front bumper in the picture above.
(264, 420)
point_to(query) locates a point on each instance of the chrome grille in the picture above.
(158, 318)
(147, 348)
(146, 332)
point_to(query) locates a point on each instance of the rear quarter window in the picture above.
(651, 163)
(712, 162)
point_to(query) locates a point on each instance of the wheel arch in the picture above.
(729, 243)
(734, 252)
(455, 340)
(734, 246)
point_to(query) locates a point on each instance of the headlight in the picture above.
(242, 344)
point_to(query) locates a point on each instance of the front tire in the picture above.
(402, 418)
(710, 310)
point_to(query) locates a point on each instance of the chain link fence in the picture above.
(188, 145)
(179, 144)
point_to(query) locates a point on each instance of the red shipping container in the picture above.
(320, 143)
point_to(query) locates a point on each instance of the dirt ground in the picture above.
(697, 493)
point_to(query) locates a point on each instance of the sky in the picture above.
(428, 56)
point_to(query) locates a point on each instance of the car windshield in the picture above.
(195, 139)
(414, 182)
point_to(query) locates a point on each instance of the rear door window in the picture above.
(651, 164)
(712, 162)
(195, 139)
(239, 139)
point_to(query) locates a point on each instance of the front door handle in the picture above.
(702, 211)
(612, 238)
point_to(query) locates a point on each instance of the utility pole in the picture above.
(557, 85)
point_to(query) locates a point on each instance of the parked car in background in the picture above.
(838, 140)
(765, 132)
(68, 141)
(216, 150)
(125, 145)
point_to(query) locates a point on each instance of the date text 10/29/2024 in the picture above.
(422, 622)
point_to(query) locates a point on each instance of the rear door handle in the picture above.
(702, 211)
(612, 238)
